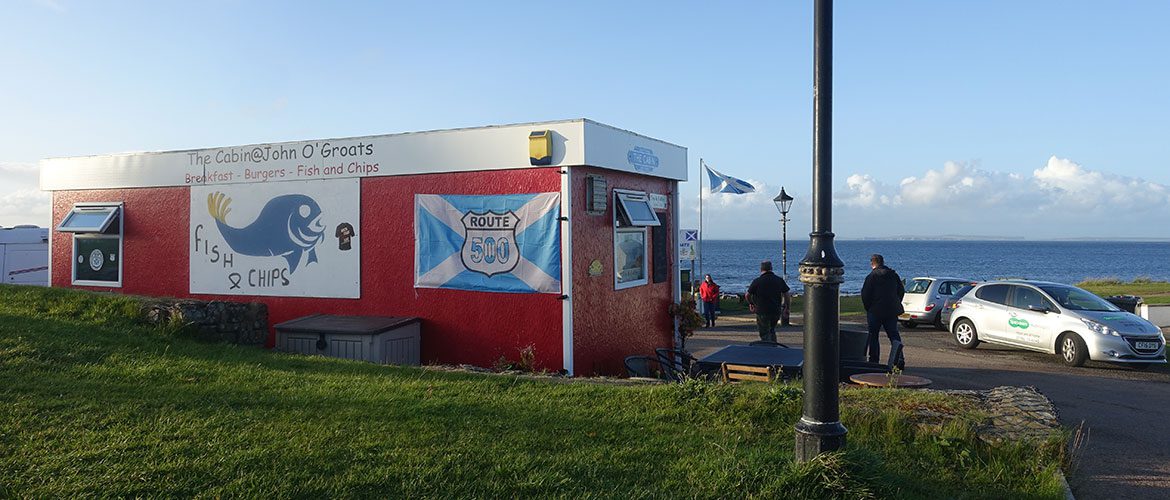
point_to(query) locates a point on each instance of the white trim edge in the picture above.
(567, 270)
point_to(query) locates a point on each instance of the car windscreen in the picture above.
(1078, 300)
(917, 286)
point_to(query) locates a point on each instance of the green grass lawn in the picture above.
(1151, 292)
(94, 403)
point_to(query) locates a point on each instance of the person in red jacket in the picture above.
(709, 294)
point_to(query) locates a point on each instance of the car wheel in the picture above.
(909, 324)
(1072, 350)
(938, 324)
(965, 334)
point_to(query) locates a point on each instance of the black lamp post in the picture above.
(783, 203)
(821, 270)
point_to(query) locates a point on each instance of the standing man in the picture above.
(709, 293)
(882, 297)
(767, 297)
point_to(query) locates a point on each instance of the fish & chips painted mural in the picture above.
(286, 239)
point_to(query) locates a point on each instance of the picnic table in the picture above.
(787, 360)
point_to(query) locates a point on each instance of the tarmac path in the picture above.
(1125, 451)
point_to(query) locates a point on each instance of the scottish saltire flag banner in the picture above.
(721, 183)
(497, 243)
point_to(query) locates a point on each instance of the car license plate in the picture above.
(904, 316)
(1147, 346)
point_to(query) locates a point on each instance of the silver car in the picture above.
(924, 300)
(1057, 319)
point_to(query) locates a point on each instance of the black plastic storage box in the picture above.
(377, 339)
(1127, 303)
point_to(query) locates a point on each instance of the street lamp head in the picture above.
(783, 202)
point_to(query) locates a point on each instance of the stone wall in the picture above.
(214, 321)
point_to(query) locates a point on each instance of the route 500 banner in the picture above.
(505, 243)
(290, 239)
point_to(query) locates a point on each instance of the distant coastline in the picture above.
(972, 238)
(734, 263)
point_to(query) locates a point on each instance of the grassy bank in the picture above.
(97, 404)
(1151, 292)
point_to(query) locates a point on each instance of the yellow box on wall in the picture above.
(540, 147)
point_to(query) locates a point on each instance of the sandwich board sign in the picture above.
(688, 244)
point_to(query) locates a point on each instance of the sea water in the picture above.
(734, 263)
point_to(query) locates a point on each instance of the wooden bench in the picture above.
(739, 373)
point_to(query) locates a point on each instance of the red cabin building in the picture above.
(556, 236)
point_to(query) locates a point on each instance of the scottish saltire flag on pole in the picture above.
(721, 183)
(496, 243)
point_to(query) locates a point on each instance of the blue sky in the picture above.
(1029, 119)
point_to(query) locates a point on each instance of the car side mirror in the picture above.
(1039, 309)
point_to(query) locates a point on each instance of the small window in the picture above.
(97, 243)
(634, 209)
(1025, 297)
(629, 258)
(994, 293)
(88, 219)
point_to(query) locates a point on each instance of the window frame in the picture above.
(1017, 289)
(623, 197)
(112, 212)
(107, 233)
(1006, 294)
(916, 281)
(645, 279)
(948, 287)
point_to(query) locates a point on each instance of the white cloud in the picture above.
(21, 201)
(1067, 185)
(955, 185)
(751, 215)
(1060, 199)
(731, 200)
(862, 190)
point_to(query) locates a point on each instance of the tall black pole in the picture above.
(821, 270)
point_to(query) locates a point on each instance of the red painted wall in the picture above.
(609, 324)
(458, 326)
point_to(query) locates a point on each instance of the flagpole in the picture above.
(700, 218)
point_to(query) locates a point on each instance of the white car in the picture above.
(924, 300)
(1057, 319)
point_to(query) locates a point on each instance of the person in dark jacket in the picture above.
(767, 297)
(882, 297)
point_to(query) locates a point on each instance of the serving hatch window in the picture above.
(632, 217)
(88, 219)
(629, 258)
(634, 210)
(97, 243)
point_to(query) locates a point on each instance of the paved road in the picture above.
(1126, 454)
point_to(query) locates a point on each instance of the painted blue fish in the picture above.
(288, 226)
